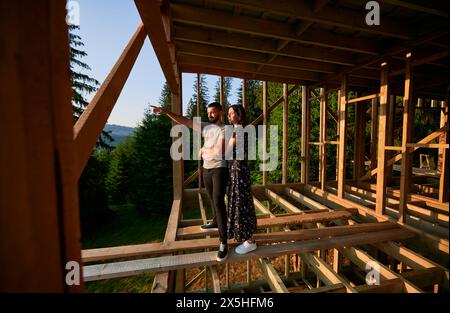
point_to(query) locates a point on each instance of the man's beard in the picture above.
(213, 119)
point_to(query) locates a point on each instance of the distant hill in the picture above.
(119, 133)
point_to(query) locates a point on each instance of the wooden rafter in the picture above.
(254, 26)
(157, 22)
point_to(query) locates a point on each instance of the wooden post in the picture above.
(285, 133)
(337, 132)
(264, 145)
(244, 93)
(305, 137)
(373, 134)
(360, 140)
(222, 96)
(323, 138)
(408, 125)
(443, 181)
(199, 162)
(382, 124)
(39, 219)
(342, 137)
(390, 109)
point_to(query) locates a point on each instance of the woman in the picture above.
(241, 217)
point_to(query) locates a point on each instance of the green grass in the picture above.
(128, 227)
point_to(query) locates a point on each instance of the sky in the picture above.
(106, 27)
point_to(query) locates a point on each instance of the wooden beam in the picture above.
(250, 43)
(188, 68)
(398, 157)
(361, 259)
(255, 26)
(91, 123)
(239, 66)
(331, 16)
(285, 134)
(342, 136)
(158, 248)
(429, 7)
(194, 231)
(408, 126)
(161, 280)
(382, 124)
(325, 272)
(304, 158)
(215, 279)
(166, 263)
(272, 277)
(157, 22)
(258, 58)
(364, 98)
(39, 216)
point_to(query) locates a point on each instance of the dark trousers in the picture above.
(215, 180)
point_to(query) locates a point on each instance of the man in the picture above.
(215, 172)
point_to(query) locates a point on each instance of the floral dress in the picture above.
(241, 217)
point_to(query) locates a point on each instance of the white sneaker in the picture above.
(246, 247)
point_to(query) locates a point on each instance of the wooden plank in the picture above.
(156, 19)
(244, 93)
(91, 123)
(285, 134)
(166, 263)
(194, 231)
(39, 219)
(282, 202)
(361, 259)
(382, 125)
(425, 278)
(342, 136)
(325, 272)
(215, 278)
(304, 158)
(272, 277)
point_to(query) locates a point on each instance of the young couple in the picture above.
(237, 220)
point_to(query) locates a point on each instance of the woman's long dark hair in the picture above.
(240, 111)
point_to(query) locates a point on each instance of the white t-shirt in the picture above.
(213, 135)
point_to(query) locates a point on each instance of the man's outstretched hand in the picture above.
(158, 110)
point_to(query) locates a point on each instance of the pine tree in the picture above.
(253, 95)
(204, 98)
(82, 84)
(151, 176)
(227, 81)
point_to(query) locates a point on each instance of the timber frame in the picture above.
(327, 228)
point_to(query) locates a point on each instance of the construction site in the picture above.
(384, 228)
